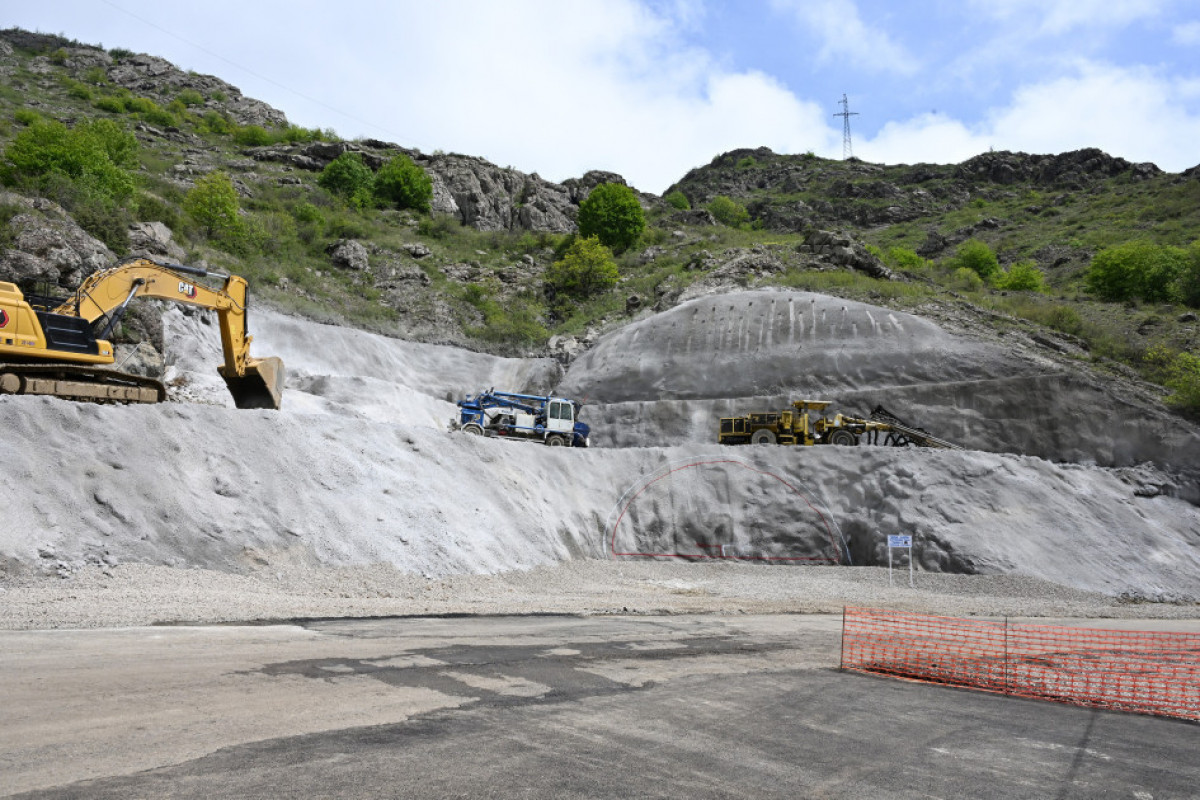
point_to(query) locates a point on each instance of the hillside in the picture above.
(1076, 470)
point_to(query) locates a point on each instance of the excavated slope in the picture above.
(669, 378)
(357, 469)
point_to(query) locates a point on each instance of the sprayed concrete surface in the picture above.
(355, 487)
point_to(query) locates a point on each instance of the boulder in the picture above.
(348, 254)
(155, 241)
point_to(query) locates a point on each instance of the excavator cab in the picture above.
(261, 385)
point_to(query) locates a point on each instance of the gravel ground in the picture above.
(133, 595)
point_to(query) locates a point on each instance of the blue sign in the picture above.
(899, 541)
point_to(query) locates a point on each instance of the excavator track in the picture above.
(93, 384)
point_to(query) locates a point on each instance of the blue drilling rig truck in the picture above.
(512, 415)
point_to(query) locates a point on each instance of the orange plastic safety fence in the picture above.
(1139, 671)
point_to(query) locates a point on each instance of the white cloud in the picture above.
(1131, 113)
(844, 35)
(1060, 16)
(1187, 34)
(599, 87)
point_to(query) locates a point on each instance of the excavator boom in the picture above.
(61, 349)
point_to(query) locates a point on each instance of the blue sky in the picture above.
(651, 88)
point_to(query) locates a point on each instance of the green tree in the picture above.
(586, 269)
(213, 204)
(975, 255)
(1137, 270)
(402, 182)
(349, 178)
(613, 214)
(728, 212)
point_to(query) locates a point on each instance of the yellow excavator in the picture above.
(61, 347)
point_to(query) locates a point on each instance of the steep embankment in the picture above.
(357, 469)
(668, 379)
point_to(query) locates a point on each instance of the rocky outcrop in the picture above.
(159, 79)
(47, 246)
(490, 198)
(474, 191)
(1070, 170)
(841, 249)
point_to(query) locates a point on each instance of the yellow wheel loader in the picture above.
(62, 348)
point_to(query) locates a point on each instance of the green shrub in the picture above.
(95, 76)
(190, 97)
(405, 184)
(161, 117)
(966, 279)
(1023, 276)
(113, 105)
(514, 323)
(252, 136)
(216, 123)
(119, 53)
(295, 134)
(586, 269)
(305, 212)
(96, 157)
(1187, 285)
(151, 208)
(439, 226)
(1181, 374)
(903, 258)
(728, 212)
(139, 105)
(1065, 319)
(612, 214)
(274, 233)
(747, 162)
(26, 116)
(678, 199)
(103, 218)
(1136, 270)
(978, 257)
(349, 178)
(80, 91)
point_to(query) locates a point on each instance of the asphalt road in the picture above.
(539, 707)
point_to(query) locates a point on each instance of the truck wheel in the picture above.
(554, 440)
(763, 436)
(843, 437)
(472, 429)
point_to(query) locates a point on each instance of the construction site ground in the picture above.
(542, 706)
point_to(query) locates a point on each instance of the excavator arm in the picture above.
(100, 301)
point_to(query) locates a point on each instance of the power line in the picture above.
(846, 114)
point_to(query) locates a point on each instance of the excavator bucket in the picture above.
(260, 387)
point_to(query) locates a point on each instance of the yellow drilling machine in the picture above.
(796, 426)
